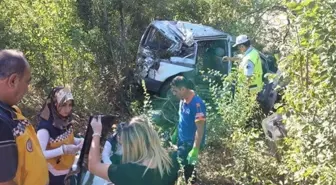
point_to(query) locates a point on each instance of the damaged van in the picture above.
(171, 48)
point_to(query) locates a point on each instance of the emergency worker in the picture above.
(56, 135)
(251, 64)
(21, 158)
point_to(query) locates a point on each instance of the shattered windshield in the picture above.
(156, 41)
(164, 48)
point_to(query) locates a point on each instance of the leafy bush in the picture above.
(307, 154)
(310, 97)
(232, 129)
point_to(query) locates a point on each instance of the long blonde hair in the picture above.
(141, 142)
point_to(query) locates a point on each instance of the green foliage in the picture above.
(234, 112)
(311, 94)
(307, 154)
(52, 38)
(232, 124)
(91, 46)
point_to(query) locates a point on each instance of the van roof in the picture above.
(199, 31)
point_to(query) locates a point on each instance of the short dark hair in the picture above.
(12, 62)
(181, 81)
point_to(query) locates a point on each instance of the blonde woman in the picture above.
(144, 160)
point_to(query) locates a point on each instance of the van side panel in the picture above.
(167, 70)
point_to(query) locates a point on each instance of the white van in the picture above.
(171, 48)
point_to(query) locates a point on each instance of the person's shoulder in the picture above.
(137, 168)
(6, 113)
(111, 139)
(5, 124)
(128, 167)
(44, 124)
(131, 165)
(6, 131)
(198, 100)
(5, 121)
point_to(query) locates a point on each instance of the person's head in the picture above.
(15, 76)
(58, 105)
(63, 101)
(118, 131)
(116, 136)
(141, 143)
(242, 43)
(181, 87)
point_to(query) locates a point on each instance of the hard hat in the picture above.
(241, 39)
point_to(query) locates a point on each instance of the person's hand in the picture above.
(96, 124)
(80, 144)
(225, 58)
(71, 149)
(193, 156)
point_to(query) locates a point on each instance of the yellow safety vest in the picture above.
(63, 162)
(256, 83)
(32, 165)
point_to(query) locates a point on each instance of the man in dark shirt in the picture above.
(21, 158)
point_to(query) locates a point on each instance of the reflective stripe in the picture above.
(6, 145)
(252, 86)
(7, 142)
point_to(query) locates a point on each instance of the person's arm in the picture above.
(106, 153)
(199, 134)
(233, 59)
(8, 155)
(95, 166)
(43, 137)
(249, 69)
(199, 121)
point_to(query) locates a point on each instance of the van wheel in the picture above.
(165, 90)
(170, 106)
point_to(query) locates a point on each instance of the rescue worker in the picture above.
(21, 158)
(190, 132)
(251, 64)
(55, 134)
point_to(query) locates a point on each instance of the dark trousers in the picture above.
(56, 180)
(182, 153)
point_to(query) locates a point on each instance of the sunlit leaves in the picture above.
(312, 118)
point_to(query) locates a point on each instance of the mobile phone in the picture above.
(107, 122)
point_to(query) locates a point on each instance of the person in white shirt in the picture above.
(112, 151)
(56, 134)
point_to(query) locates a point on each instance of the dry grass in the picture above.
(212, 162)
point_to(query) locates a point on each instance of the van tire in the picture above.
(165, 91)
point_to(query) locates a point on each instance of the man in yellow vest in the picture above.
(251, 64)
(21, 158)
